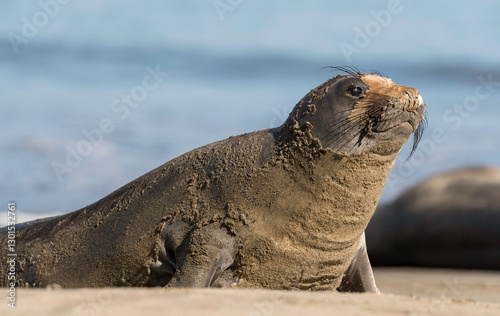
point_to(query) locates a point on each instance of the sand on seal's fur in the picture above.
(322, 224)
(289, 203)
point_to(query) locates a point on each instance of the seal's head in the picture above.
(358, 112)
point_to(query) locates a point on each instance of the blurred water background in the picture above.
(234, 66)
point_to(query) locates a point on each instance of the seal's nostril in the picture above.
(412, 101)
(420, 100)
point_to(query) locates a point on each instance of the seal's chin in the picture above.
(389, 125)
(390, 147)
(405, 128)
(397, 134)
(392, 137)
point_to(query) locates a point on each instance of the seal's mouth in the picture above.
(404, 116)
(408, 109)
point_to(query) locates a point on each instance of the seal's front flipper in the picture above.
(202, 256)
(359, 276)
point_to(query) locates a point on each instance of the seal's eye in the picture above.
(355, 91)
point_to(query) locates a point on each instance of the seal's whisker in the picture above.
(362, 118)
(350, 70)
(417, 137)
(350, 110)
(349, 133)
(351, 137)
(350, 146)
(378, 73)
(356, 116)
(370, 108)
(340, 127)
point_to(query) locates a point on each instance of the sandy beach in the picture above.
(261, 136)
(405, 291)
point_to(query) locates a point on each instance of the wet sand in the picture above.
(406, 291)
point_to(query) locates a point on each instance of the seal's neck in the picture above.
(345, 190)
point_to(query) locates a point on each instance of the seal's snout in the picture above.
(420, 100)
(412, 100)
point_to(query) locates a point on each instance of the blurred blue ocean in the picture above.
(233, 67)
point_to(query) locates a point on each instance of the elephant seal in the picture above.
(450, 220)
(282, 208)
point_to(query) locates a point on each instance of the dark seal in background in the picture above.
(451, 220)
